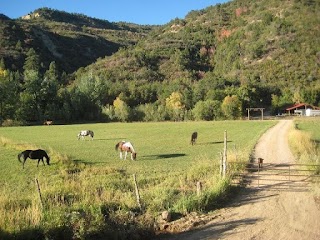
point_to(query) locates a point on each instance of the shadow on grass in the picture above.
(211, 143)
(63, 233)
(109, 139)
(80, 161)
(108, 230)
(163, 156)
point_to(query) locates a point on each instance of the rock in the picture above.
(166, 216)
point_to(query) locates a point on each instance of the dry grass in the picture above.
(303, 147)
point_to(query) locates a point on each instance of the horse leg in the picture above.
(38, 162)
(42, 161)
(120, 154)
(125, 155)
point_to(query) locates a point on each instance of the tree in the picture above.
(121, 110)
(231, 107)
(207, 110)
(175, 106)
(32, 61)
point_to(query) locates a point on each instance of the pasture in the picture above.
(86, 180)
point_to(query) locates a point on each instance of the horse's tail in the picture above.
(117, 146)
(19, 156)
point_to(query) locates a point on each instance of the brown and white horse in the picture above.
(84, 133)
(126, 147)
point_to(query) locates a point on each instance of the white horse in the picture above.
(84, 133)
(126, 147)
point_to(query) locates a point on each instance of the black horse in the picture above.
(34, 154)
(194, 137)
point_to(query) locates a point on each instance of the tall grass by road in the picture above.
(305, 140)
(88, 192)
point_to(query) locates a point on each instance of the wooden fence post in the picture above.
(225, 154)
(137, 191)
(199, 188)
(221, 164)
(39, 191)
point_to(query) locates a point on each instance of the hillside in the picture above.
(265, 52)
(272, 44)
(71, 40)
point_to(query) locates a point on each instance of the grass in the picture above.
(305, 144)
(88, 192)
(305, 140)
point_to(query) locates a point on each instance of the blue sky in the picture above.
(134, 11)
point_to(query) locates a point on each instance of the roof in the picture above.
(299, 105)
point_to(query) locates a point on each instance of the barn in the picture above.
(303, 109)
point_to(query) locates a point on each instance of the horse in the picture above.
(34, 154)
(48, 122)
(84, 133)
(126, 147)
(194, 137)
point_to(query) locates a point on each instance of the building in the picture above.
(303, 109)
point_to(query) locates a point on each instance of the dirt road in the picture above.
(268, 211)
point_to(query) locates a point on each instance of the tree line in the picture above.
(39, 94)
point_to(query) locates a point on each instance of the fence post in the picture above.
(199, 188)
(258, 175)
(225, 154)
(221, 164)
(39, 191)
(137, 190)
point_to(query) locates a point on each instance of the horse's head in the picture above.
(48, 160)
(91, 133)
(134, 155)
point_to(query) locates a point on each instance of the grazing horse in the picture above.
(84, 133)
(47, 122)
(194, 137)
(34, 154)
(126, 147)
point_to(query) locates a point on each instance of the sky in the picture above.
(150, 12)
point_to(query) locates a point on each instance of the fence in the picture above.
(286, 176)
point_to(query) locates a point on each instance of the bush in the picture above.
(207, 110)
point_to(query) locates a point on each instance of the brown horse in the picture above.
(34, 154)
(194, 137)
(126, 147)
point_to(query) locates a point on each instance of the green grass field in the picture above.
(88, 176)
(160, 146)
(311, 125)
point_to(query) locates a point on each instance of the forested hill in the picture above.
(71, 40)
(268, 46)
(213, 64)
